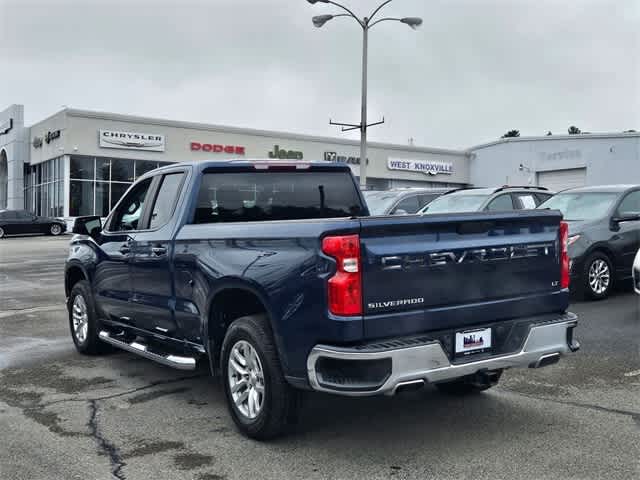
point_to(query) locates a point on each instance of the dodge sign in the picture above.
(132, 140)
(424, 166)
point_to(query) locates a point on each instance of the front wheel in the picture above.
(83, 321)
(261, 402)
(1, 232)
(55, 229)
(597, 277)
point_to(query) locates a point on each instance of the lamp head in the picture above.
(413, 22)
(320, 20)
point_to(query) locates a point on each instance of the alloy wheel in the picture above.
(80, 319)
(246, 379)
(55, 229)
(1, 232)
(599, 276)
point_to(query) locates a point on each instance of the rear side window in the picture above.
(527, 200)
(408, 205)
(166, 199)
(269, 195)
(543, 197)
(501, 203)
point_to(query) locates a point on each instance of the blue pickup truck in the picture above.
(276, 274)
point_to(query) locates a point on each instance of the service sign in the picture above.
(148, 142)
(422, 166)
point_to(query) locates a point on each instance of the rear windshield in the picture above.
(262, 196)
(455, 203)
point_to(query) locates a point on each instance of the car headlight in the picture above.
(573, 239)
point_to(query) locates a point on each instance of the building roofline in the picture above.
(554, 137)
(73, 112)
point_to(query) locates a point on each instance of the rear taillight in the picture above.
(345, 286)
(564, 255)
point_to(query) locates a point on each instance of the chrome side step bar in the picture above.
(175, 361)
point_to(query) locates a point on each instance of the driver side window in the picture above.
(129, 212)
(630, 205)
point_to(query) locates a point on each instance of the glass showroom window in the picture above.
(43, 188)
(97, 183)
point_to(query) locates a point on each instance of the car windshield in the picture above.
(581, 206)
(455, 203)
(379, 202)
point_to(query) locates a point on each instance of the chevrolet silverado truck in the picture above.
(275, 274)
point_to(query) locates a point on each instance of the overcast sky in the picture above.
(475, 69)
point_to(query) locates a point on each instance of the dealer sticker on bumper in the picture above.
(473, 340)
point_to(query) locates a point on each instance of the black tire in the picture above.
(55, 229)
(588, 289)
(90, 344)
(2, 232)
(280, 401)
(468, 385)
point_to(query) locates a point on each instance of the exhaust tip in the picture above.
(546, 360)
(409, 386)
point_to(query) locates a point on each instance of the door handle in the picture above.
(159, 251)
(124, 249)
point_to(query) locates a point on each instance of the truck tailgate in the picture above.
(424, 273)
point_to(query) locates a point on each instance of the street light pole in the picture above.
(363, 109)
(366, 23)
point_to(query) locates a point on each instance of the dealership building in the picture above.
(79, 162)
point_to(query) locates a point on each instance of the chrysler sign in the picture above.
(131, 140)
(423, 166)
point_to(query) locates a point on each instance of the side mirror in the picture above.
(91, 225)
(399, 211)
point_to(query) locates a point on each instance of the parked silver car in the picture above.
(482, 199)
(401, 201)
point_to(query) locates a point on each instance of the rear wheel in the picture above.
(55, 229)
(1, 232)
(597, 276)
(261, 402)
(471, 384)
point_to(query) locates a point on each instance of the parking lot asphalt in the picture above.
(67, 416)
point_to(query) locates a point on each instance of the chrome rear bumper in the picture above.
(428, 362)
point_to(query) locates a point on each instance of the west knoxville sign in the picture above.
(423, 166)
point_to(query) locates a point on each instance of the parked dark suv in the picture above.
(13, 222)
(604, 234)
(488, 199)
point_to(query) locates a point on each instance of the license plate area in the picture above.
(474, 341)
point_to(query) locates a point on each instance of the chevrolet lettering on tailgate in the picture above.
(407, 262)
